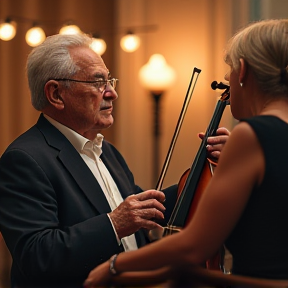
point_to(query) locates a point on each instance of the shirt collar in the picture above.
(77, 140)
(95, 145)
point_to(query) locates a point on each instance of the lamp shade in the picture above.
(157, 76)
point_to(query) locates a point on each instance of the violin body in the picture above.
(207, 172)
(216, 262)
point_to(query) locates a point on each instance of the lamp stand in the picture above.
(155, 171)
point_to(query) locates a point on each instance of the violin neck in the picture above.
(196, 179)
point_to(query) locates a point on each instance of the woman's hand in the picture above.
(216, 143)
(99, 276)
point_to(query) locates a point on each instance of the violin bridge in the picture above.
(169, 230)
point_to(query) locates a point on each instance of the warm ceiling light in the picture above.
(157, 75)
(70, 30)
(35, 36)
(98, 45)
(7, 30)
(130, 42)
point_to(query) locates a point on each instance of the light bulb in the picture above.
(69, 30)
(98, 45)
(130, 42)
(7, 30)
(35, 36)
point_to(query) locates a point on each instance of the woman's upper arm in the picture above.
(240, 168)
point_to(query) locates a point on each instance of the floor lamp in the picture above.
(156, 76)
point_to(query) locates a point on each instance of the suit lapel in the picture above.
(74, 163)
(118, 174)
(85, 179)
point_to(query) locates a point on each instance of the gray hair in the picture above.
(52, 60)
(264, 46)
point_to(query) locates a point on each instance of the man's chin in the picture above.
(106, 123)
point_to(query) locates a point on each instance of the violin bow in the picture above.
(190, 90)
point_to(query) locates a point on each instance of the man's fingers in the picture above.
(150, 203)
(150, 225)
(138, 211)
(151, 194)
(151, 213)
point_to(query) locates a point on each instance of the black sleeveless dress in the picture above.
(259, 242)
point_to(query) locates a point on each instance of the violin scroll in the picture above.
(226, 94)
(215, 85)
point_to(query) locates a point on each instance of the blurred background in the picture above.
(187, 33)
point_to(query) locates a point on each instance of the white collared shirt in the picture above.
(90, 151)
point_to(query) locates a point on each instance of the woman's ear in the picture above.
(242, 70)
(52, 93)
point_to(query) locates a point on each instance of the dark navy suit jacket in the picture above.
(53, 213)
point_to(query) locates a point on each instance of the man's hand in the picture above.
(216, 143)
(138, 211)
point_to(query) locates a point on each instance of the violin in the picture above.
(195, 179)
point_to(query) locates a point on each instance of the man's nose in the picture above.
(110, 92)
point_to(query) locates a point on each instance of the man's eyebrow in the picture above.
(101, 75)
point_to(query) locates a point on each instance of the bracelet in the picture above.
(112, 263)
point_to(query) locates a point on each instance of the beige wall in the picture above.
(190, 34)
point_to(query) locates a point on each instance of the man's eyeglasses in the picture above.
(99, 84)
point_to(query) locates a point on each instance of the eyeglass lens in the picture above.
(112, 82)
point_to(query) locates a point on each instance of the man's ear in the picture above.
(52, 93)
(242, 70)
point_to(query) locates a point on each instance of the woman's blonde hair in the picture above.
(264, 46)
